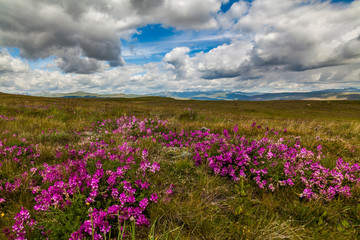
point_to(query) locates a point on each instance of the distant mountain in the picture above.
(330, 94)
(81, 94)
(208, 95)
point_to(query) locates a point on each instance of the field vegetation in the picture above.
(159, 168)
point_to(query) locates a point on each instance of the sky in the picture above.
(152, 46)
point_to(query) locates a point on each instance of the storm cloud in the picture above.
(71, 61)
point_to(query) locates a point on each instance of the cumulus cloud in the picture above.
(146, 6)
(274, 45)
(8, 64)
(225, 61)
(196, 14)
(15, 79)
(298, 35)
(178, 61)
(182, 14)
(43, 28)
(286, 39)
(70, 61)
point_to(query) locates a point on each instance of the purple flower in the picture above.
(236, 128)
(155, 167)
(114, 209)
(290, 182)
(22, 219)
(154, 197)
(143, 203)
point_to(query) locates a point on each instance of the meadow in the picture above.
(159, 168)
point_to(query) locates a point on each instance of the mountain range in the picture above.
(329, 94)
(81, 94)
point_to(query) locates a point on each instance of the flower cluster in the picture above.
(22, 220)
(120, 185)
(102, 171)
(22, 157)
(270, 164)
(18, 154)
(131, 128)
(110, 170)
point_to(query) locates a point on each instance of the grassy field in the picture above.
(60, 161)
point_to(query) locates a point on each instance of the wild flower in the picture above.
(264, 160)
(154, 197)
(22, 220)
(114, 179)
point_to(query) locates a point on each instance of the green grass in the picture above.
(203, 206)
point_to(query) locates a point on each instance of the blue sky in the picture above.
(153, 41)
(149, 46)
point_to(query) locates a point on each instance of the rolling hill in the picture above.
(330, 94)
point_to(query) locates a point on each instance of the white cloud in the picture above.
(23, 79)
(297, 36)
(227, 60)
(275, 45)
(178, 61)
(285, 44)
(195, 14)
(8, 64)
(48, 28)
